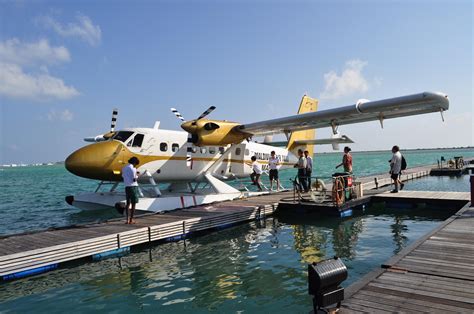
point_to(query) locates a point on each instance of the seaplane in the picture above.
(196, 166)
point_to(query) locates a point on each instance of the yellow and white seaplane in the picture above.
(181, 169)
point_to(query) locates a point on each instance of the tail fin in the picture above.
(307, 104)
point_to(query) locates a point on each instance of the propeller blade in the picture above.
(205, 113)
(177, 114)
(114, 120)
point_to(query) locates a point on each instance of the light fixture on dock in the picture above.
(324, 279)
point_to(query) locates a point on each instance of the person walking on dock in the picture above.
(257, 172)
(273, 165)
(396, 168)
(309, 168)
(301, 165)
(130, 176)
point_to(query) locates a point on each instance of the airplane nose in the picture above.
(100, 161)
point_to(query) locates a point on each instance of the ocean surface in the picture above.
(248, 268)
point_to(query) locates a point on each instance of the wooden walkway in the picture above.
(24, 252)
(426, 195)
(434, 275)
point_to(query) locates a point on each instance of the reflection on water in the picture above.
(246, 268)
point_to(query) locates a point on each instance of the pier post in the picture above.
(472, 188)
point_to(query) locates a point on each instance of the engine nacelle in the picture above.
(214, 132)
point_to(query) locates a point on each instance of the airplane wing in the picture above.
(403, 106)
(322, 141)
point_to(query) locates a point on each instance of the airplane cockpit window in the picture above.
(122, 136)
(138, 140)
(175, 147)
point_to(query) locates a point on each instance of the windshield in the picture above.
(122, 136)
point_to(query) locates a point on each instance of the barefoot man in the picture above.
(130, 176)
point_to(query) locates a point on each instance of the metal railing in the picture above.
(247, 185)
(320, 192)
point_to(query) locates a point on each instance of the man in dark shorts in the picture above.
(130, 176)
(301, 166)
(396, 169)
(273, 165)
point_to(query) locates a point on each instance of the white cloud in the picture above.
(84, 28)
(40, 52)
(65, 115)
(350, 82)
(15, 83)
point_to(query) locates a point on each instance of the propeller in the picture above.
(206, 113)
(191, 137)
(106, 136)
(177, 114)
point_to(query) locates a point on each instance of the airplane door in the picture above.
(148, 147)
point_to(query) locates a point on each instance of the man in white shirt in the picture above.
(273, 165)
(396, 168)
(130, 176)
(309, 168)
(257, 172)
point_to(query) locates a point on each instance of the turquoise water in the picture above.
(32, 198)
(248, 268)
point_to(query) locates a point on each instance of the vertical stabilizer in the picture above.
(307, 104)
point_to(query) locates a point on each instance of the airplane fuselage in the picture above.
(168, 157)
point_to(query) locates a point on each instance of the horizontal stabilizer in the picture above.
(322, 141)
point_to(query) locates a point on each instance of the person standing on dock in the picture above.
(396, 168)
(130, 176)
(301, 165)
(309, 168)
(346, 160)
(273, 165)
(256, 172)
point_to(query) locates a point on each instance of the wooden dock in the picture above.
(30, 253)
(434, 275)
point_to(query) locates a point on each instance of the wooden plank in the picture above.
(362, 308)
(421, 297)
(424, 285)
(395, 306)
(433, 294)
(449, 283)
(429, 306)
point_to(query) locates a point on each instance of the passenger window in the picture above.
(138, 140)
(247, 152)
(238, 151)
(203, 150)
(175, 147)
(212, 150)
(191, 149)
(221, 150)
(163, 147)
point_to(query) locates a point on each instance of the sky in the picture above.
(64, 65)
